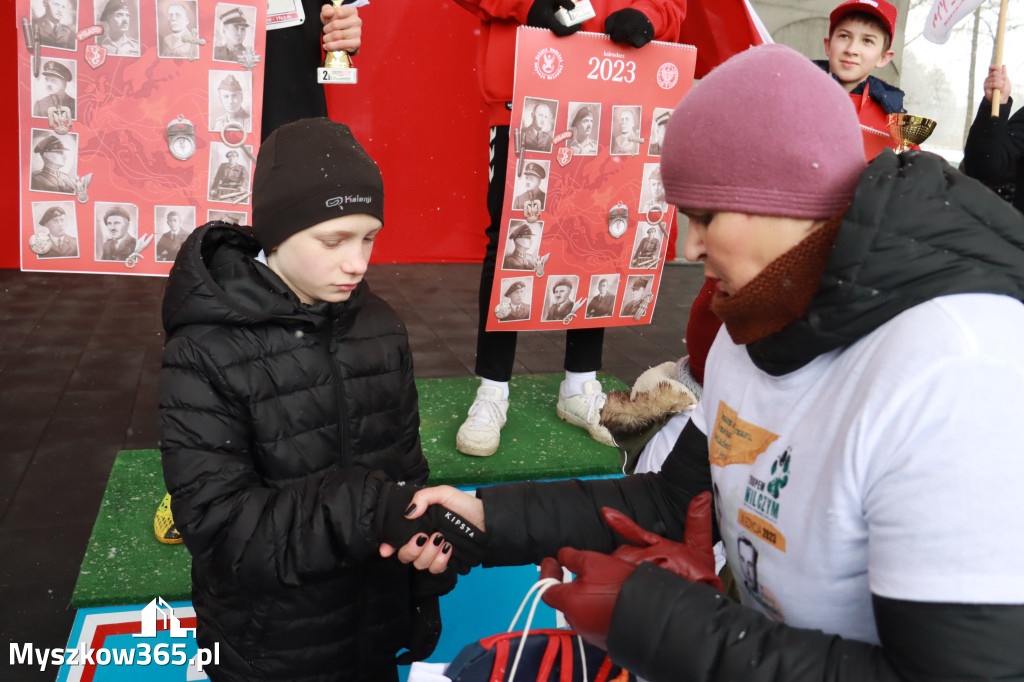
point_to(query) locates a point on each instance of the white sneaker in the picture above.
(584, 410)
(480, 434)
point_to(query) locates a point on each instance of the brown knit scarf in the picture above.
(781, 292)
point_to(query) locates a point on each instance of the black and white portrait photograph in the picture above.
(516, 294)
(229, 174)
(637, 287)
(55, 87)
(172, 226)
(233, 37)
(560, 297)
(230, 99)
(537, 128)
(531, 187)
(652, 191)
(523, 246)
(646, 247)
(234, 217)
(177, 33)
(55, 229)
(603, 289)
(120, 22)
(117, 230)
(54, 162)
(658, 123)
(56, 23)
(584, 122)
(625, 136)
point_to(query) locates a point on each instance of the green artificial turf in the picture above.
(125, 564)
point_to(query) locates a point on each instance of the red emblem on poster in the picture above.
(584, 238)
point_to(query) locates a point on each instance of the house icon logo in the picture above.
(159, 610)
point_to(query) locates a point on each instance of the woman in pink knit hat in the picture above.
(855, 427)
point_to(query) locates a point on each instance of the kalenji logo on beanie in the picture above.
(339, 201)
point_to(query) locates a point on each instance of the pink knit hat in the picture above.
(767, 133)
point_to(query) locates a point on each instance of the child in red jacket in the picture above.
(860, 41)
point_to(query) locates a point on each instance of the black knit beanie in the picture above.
(310, 171)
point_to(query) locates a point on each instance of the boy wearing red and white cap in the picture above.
(860, 41)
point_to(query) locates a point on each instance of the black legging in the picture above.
(496, 351)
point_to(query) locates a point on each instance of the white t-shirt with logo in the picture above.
(891, 467)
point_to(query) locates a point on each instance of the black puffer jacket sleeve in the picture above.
(529, 521)
(260, 535)
(994, 151)
(668, 629)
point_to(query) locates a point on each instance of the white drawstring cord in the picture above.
(541, 586)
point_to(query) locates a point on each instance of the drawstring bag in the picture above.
(545, 655)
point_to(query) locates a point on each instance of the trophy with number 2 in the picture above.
(337, 67)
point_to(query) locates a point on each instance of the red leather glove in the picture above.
(587, 601)
(693, 559)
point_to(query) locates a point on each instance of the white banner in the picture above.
(945, 14)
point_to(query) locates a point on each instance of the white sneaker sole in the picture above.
(475, 450)
(602, 438)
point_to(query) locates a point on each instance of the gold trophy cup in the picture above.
(907, 130)
(337, 67)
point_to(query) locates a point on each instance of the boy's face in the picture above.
(854, 50)
(325, 262)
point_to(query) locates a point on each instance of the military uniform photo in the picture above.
(54, 222)
(114, 229)
(228, 99)
(529, 184)
(51, 177)
(119, 19)
(233, 39)
(231, 179)
(54, 78)
(57, 26)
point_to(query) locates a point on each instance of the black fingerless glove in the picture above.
(426, 630)
(542, 15)
(628, 26)
(469, 543)
(426, 617)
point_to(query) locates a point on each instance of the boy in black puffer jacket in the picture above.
(288, 413)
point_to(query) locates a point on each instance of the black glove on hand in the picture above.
(542, 15)
(426, 630)
(469, 543)
(628, 26)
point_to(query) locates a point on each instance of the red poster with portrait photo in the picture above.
(139, 120)
(585, 223)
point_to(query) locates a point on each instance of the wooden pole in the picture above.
(997, 57)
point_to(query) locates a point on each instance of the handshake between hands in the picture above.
(445, 527)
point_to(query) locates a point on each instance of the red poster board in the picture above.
(585, 225)
(158, 136)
